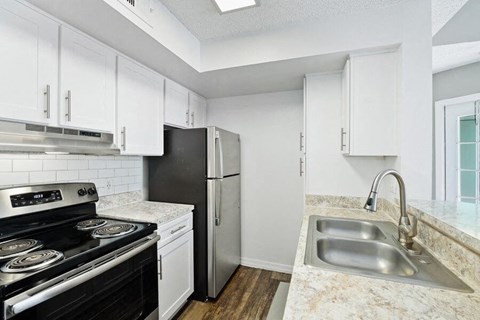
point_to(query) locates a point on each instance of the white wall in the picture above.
(328, 171)
(272, 190)
(111, 174)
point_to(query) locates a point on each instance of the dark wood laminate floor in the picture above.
(247, 296)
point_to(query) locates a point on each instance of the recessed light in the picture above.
(232, 5)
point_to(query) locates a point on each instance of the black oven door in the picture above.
(122, 286)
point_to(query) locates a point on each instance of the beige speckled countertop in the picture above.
(320, 294)
(148, 211)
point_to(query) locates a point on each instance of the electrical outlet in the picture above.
(109, 185)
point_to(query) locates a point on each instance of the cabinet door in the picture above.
(373, 126)
(175, 280)
(176, 105)
(87, 83)
(197, 107)
(28, 64)
(139, 109)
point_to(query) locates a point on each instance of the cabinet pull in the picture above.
(178, 229)
(68, 114)
(47, 107)
(160, 267)
(342, 143)
(193, 119)
(301, 141)
(301, 167)
(187, 117)
(124, 138)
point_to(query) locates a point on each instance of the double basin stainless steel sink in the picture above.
(371, 248)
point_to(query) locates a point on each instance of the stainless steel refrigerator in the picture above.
(202, 167)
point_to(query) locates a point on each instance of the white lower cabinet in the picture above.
(175, 272)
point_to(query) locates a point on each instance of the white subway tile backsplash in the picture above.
(111, 174)
(122, 188)
(87, 174)
(128, 180)
(13, 178)
(128, 164)
(106, 173)
(27, 165)
(121, 172)
(77, 164)
(43, 176)
(54, 165)
(114, 164)
(97, 164)
(67, 175)
(5, 165)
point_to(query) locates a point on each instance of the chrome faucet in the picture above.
(407, 227)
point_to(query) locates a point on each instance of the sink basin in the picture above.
(369, 256)
(349, 229)
(371, 249)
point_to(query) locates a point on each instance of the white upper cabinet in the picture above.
(197, 107)
(87, 83)
(28, 64)
(176, 105)
(370, 102)
(139, 109)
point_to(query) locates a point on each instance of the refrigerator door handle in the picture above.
(218, 202)
(220, 151)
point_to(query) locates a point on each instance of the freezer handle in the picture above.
(218, 201)
(220, 151)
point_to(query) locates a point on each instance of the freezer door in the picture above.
(223, 152)
(223, 231)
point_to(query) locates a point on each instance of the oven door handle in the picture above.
(29, 299)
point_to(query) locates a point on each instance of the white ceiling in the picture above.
(457, 42)
(202, 18)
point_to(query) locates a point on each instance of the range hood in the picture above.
(23, 137)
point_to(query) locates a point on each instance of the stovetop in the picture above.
(77, 246)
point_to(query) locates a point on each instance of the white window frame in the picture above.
(440, 140)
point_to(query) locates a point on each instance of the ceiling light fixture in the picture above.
(232, 5)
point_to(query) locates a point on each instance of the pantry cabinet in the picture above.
(175, 264)
(87, 82)
(139, 109)
(369, 105)
(28, 64)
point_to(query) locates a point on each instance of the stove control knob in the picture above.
(82, 192)
(92, 191)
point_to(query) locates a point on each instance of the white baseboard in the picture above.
(266, 265)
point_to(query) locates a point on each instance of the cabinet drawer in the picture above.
(174, 229)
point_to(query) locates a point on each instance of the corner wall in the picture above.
(272, 189)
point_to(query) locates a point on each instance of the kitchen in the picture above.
(259, 73)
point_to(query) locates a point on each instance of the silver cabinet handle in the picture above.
(124, 138)
(160, 267)
(31, 298)
(187, 117)
(193, 119)
(301, 141)
(68, 114)
(301, 167)
(342, 143)
(178, 229)
(47, 106)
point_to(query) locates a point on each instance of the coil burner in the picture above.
(32, 261)
(15, 248)
(90, 224)
(113, 230)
